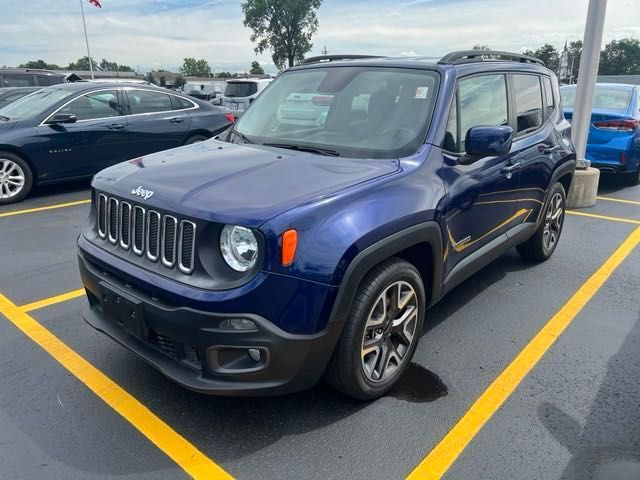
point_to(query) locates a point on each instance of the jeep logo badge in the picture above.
(141, 192)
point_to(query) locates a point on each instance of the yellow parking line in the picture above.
(438, 461)
(619, 200)
(603, 217)
(187, 456)
(29, 307)
(41, 209)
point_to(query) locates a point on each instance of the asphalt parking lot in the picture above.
(524, 372)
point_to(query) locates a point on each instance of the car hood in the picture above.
(230, 183)
(6, 125)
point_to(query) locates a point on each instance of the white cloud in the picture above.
(159, 33)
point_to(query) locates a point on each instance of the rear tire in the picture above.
(381, 333)
(16, 178)
(544, 241)
(195, 139)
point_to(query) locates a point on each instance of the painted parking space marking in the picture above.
(445, 453)
(45, 302)
(619, 200)
(603, 217)
(42, 209)
(176, 447)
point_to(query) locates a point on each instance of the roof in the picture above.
(30, 70)
(83, 86)
(621, 86)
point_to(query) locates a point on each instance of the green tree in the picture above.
(285, 27)
(81, 64)
(620, 57)
(575, 52)
(548, 54)
(478, 46)
(179, 82)
(39, 64)
(195, 68)
(256, 69)
(224, 75)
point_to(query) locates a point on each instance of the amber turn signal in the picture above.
(289, 245)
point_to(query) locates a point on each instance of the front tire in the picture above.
(381, 333)
(545, 240)
(195, 139)
(16, 178)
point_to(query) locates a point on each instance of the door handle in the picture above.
(177, 120)
(509, 169)
(116, 126)
(550, 150)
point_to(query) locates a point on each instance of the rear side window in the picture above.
(146, 101)
(47, 80)
(96, 105)
(548, 95)
(181, 103)
(18, 80)
(528, 98)
(483, 101)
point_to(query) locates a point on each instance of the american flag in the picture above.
(95, 3)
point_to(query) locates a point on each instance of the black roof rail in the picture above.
(467, 56)
(335, 58)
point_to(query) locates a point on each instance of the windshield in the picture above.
(605, 97)
(240, 89)
(33, 104)
(361, 112)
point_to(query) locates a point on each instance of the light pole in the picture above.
(86, 39)
(584, 187)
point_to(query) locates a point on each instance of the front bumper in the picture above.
(188, 345)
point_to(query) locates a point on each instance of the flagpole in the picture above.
(86, 39)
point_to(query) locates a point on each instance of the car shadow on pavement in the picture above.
(607, 446)
(611, 183)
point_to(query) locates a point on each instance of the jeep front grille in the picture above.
(147, 233)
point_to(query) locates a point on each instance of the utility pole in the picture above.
(86, 39)
(324, 50)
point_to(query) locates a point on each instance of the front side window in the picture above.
(528, 98)
(483, 101)
(360, 112)
(35, 104)
(103, 104)
(146, 101)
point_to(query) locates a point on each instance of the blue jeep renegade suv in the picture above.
(281, 252)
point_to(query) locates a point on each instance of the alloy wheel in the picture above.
(553, 221)
(12, 178)
(389, 331)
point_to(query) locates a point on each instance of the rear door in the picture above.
(95, 141)
(155, 123)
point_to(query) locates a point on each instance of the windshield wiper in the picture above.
(305, 148)
(244, 138)
(6, 119)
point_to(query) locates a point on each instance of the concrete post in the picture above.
(585, 186)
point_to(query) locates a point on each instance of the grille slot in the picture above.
(125, 225)
(138, 229)
(102, 215)
(148, 233)
(169, 231)
(112, 227)
(153, 235)
(186, 246)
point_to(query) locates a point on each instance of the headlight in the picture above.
(239, 247)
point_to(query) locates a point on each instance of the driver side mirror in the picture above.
(487, 142)
(59, 118)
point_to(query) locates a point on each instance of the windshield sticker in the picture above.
(421, 92)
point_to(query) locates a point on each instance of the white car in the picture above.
(240, 92)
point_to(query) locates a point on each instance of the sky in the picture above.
(158, 34)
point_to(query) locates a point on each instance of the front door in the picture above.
(154, 124)
(96, 140)
(482, 196)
